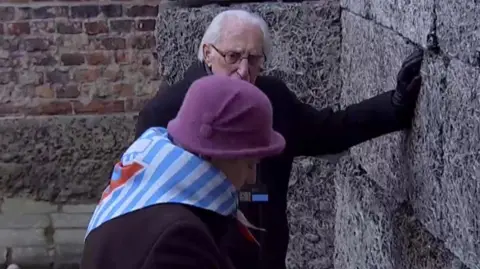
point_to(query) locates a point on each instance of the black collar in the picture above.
(196, 71)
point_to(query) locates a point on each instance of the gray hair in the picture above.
(214, 31)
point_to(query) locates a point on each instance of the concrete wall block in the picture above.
(45, 140)
(31, 256)
(412, 19)
(305, 50)
(417, 248)
(80, 208)
(311, 214)
(426, 148)
(364, 226)
(375, 231)
(3, 256)
(63, 220)
(68, 255)
(69, 236)
(447, 178)
(26, 206)
(305, 56)
(15, 221)
(22, 237)
(457, 29)
(437, 163)
(62, 158)
(369, 66)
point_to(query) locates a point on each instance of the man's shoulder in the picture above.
(276, 90)
(269, 81)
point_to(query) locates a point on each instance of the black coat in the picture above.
(307, 131)
(164, 236)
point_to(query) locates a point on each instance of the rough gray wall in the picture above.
(306, 42)
(63, 158)
(433, 169)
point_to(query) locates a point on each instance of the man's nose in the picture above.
(243, 69)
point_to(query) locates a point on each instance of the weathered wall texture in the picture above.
(65, 68)
(65, 155)
(306, 42)
(410, 200)
(73, 74)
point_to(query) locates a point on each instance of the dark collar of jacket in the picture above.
(196, 71)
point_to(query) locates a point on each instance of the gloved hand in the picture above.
(408, 81)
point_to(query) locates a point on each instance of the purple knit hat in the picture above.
(226, 117)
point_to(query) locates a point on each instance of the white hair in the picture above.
(214, 31)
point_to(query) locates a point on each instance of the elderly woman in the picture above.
(236, 44)
(173, 195)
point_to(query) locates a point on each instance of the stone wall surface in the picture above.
(63, 158)
(306, 46)
(434, 168)
(374, 230)
(305, 40)
(76, 57)
(42, 235)
(67, 158)
(73, 74)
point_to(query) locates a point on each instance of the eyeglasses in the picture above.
(233, 57)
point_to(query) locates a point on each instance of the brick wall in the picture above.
(76, 57)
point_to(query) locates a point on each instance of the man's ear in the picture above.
(207, 55)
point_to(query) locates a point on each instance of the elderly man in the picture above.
(236, 44)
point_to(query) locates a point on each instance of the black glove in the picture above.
(408, 81)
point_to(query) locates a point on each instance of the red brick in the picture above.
(44, 108)
(114, 43)
(7, 77)
(18, 28)
(135, 104)
(123, 89)
(57, 76)
(96, 27)
(99, 107)
(122, 26)
(69, 27)
(37, 44)
(67, 91)
(23, 13)
(49, 12)
(9, 109)
(7, 13)
(85, 11)
(112, 73)
(43, 59)
(143, 42)
(122, 56)
(142, 11)
(44, 91)
(42, 27)
(72, 59)
(87, 75)
(98, 58)
(51, 108)
(112, 11)
(145, 25)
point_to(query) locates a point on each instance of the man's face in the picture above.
(239, 52)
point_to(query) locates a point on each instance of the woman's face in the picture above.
(239, 172)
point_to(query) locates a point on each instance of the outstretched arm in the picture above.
(319, 132)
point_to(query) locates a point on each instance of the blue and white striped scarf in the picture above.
(154, 171)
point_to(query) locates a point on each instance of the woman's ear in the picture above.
(207, 55)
